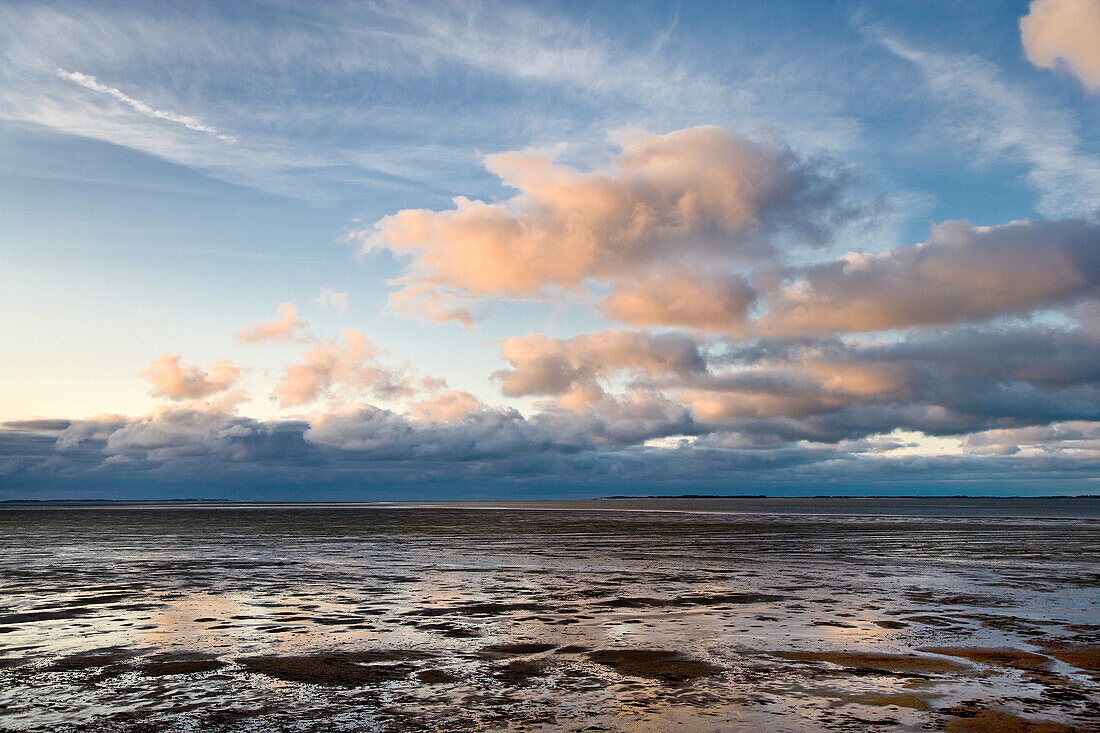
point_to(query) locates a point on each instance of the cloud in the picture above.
(1081, 437)
(792, 389)
(446, 406)
(368, 452)
(961, 273)
(797, 409)
(330, 369)
(949, 382)
(572, 369)
(485, 433)
(179, 381)
(36, 424)
(285, 327)
(1064, 33)
(681, 297)
(696, 195)
(370, 433)
(191, 123)
(77, 431)
(182, 57)
(329, 297)
(204, 434)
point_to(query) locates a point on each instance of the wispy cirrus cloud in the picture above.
(191, 123)
(373, 94)
(1005, 122)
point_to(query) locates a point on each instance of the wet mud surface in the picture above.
(641, 617)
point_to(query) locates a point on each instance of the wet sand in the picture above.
(673, 614)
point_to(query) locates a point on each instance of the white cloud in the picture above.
(329, 297)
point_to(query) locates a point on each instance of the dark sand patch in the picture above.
(972, 719)
(337, 669)
(914, 702)
(452, 631)
(520, 672)
(958, 599)
(173, 664)
(691, 600)
(1000, 622)
(482, 609)
(1014, 658)
(100, 659)
(435, 676)
(891, 624)
(929, 619)
(519, 648)
(657, 664)
(572, 649)
(337, 620)
(890, 663)
(33, 616)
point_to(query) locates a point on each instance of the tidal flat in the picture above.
(616, 615)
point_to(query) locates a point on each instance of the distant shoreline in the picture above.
(616, 497)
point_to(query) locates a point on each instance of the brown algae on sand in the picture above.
(901, 700)
(1085, 658)
(656, 664)
(344, 669)
(494, 651)
(164, 665)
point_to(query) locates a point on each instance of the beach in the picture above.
(697, 614)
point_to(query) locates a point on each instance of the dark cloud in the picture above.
(43, 425)
(574, 369)
(962, 273)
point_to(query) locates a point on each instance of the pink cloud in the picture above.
(332, 369)
(1064, 33)
(285, 327)
(179, 381)
(700, 194)
(681, 297)
(445, 407)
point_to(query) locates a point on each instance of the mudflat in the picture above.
(642, 615)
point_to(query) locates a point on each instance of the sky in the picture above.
(340, 251)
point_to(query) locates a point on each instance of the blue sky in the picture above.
(172, 172)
